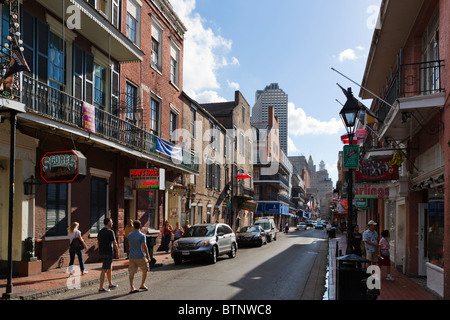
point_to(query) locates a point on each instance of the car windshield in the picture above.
(264, 225)
(249, 229)
(200, 231)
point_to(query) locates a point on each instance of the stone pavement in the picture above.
(56, 280)
(402, 288)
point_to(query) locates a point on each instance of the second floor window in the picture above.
(154, 117)
(174, 61)
(99, 86)
(56, 62)
(173, 126)
(131, 103)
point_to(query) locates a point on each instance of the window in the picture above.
(173, 126)
(193, 118)
(56, 62)
(156, 47)
(241, 144)
(98, 203)
(133, 22)
(131, 102)
(115, 13)
(99, 86)
(4, 28)
(154, 117)
(174, 60)
(56, 209)
(243, 114)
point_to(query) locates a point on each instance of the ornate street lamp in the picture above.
(349, 115)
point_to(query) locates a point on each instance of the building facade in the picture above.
(101, 91)
(408, 72)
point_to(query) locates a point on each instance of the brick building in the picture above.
(407, 70)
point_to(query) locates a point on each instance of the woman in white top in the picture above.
(75, 233)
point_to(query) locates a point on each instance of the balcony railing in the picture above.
(57, 105)
(413, 79)
(274, 178)
(272, 197)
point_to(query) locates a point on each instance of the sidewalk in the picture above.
(403, 288)
(56, 280)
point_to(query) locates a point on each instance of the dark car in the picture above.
(205, 241)
(251, 235)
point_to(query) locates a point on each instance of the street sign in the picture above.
(351, 156)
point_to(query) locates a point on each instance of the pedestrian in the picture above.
(139, 256)
(129, 228)
(286, 228)
(356, 238)
(74, 237)
(177, 232)
(108, 249)
(384, 253)
(370, 238)
(167, 235)
(186, 226)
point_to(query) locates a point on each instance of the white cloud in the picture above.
(205, 52)
(291, 146)
(233, 85)
(206, 96)
(351, 54)
(301, 124)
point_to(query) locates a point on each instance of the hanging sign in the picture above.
(351, 156)
(63, 166)
(144, 178)
(376, 170)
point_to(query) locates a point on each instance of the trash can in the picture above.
(332, 233)
(350, 284)
(151, 242)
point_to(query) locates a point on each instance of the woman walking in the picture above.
(77, 245)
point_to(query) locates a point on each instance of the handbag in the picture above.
(76, 245)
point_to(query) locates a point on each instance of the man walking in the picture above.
(138, 255)
(370, 238)
(107, 246)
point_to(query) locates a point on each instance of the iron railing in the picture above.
(412, 79)
(57, 105)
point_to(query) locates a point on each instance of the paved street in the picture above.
(291, 268)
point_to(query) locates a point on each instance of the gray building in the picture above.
(273, 96)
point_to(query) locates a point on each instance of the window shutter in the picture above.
(89, 78)
(115, 92)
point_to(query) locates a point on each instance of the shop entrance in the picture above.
(423, 236)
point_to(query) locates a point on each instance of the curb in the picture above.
(86, 283)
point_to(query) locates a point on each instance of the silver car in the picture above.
(205, 241)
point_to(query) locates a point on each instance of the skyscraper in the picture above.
(273, 96)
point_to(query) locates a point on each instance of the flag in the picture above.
(310, 205)
(164, 147)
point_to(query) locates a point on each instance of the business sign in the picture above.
(180, 191)
(351, 156)
(376, 170)
(272, 208)
(144, 178)
(376, 191)
(88, 117)
(365, 203)
(63, 166)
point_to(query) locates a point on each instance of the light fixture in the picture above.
(30, 185)
(349, 113)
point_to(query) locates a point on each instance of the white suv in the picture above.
(269, 228)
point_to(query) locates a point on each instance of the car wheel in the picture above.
(232, 254)
(213, 258)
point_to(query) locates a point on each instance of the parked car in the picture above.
(268, 226)
(251, 235)
(319, 225)
(309, 223)
(207, 241)
(301, 226)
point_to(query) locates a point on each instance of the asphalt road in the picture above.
(291, 268)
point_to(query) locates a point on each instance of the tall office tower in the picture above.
(273, 96)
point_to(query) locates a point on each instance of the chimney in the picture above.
(270, 116)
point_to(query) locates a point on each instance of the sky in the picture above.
(246, 45)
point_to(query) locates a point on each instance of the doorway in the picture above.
(423, 238)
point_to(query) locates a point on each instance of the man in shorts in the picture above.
(370, 238)
(107, 245)
(139, 256)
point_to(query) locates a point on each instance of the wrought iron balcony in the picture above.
(59, 106)
(409, 80)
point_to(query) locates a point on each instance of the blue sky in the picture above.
(247, 44)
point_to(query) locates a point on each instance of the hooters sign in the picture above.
(63, 166)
